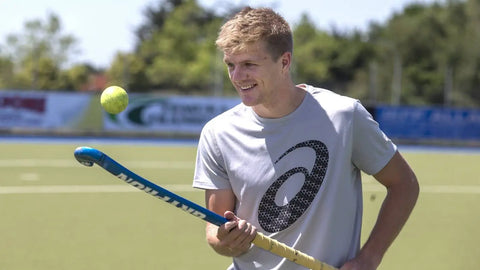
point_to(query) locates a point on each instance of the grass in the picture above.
(136, 231)
(442, 231)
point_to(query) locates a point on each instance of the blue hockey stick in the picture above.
(89, 156)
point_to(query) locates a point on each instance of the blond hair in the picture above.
(251, 25)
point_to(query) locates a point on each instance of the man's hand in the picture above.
(232, 238)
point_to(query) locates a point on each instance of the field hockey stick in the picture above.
(88, 156)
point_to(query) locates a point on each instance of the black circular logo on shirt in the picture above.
(274, 218)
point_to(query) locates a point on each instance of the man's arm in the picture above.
(402, 193)
(234, 237)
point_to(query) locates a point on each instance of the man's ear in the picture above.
(286, 59)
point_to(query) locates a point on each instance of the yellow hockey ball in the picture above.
(114, 99)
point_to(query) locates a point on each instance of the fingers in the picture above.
(230, 216)
(242, 235)
(236, 235)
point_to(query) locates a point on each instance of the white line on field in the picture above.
(442, 189)
(85, 189)
(62, 163)
(188, 188)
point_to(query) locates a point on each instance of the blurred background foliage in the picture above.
(425, 54)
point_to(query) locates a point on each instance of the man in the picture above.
(287, 160)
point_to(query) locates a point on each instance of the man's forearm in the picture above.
(393, 215)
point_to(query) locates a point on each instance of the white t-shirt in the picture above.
(296, 178)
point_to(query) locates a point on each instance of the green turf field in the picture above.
(54, 215)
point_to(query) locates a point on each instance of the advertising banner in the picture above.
(177, 114)
(41, 110)
(427, 123)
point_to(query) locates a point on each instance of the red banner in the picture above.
(41, 110)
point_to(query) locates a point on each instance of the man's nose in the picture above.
(237, 74)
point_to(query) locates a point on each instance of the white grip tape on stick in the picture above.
(289, 253)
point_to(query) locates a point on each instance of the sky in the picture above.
(104, 27)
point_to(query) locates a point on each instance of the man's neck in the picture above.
(286, 102)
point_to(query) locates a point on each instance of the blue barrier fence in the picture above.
(429, 123)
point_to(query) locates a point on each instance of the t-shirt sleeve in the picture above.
(209, 167)
(372, 149)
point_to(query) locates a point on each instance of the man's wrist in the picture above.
(371, 257)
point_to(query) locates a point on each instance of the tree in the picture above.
(407, 48)
(311, 44)
(326, 59)
(6, 72)
(467, 75)
(185, 49)
(430, 53)
(128, 70)
(39, 54)
(155, 18)
(175, 49)
(77, 76)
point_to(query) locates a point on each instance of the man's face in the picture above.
(254, 74)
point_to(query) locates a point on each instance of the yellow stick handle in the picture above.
(289, 253)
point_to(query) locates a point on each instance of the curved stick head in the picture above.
(87, 155)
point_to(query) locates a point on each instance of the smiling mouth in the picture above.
(247, 87)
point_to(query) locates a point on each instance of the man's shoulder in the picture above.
(227, 117)
(328, 98)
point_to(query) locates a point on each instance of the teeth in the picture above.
(247, 87)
